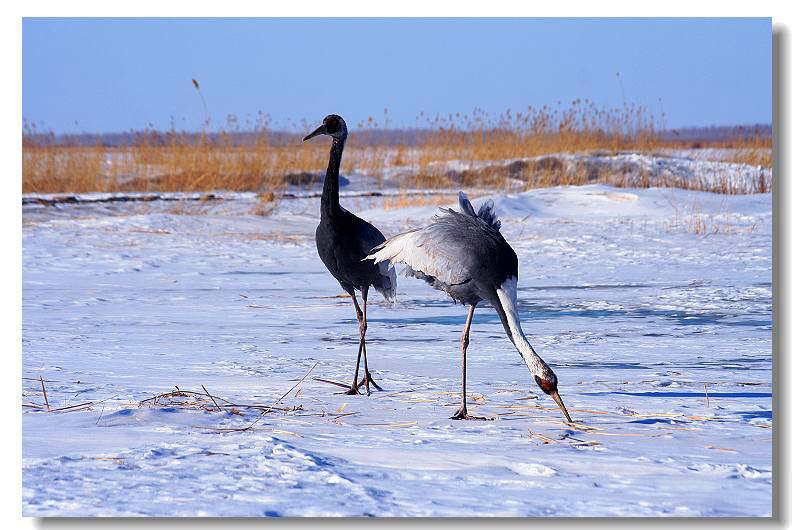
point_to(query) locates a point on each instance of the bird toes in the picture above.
(462, 414)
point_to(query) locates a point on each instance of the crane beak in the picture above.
(319, 130)
(557, 399)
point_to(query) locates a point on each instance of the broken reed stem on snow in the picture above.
(204, 388)
(336, 383)
(226, 403)
(297, 383)
(272, 407)
(68, 408)
(44, 390)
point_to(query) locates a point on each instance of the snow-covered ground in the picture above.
(653, 306)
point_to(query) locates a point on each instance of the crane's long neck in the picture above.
(506, 306)
(330, 204)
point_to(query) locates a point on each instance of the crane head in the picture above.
(549, 385)
(333, 125)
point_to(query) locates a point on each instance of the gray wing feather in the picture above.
(447, 250)
(429, 250)
(465, 206)
(486, 212)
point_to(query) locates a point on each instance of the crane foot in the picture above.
(462, 414)
(368, 380)
(350, 391)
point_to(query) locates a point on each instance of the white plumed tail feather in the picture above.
(396, 249)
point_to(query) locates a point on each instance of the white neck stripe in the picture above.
(507, 294)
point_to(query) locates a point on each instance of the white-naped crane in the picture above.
(343, 241)
(464, 254)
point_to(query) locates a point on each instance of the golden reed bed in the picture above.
(179, 161)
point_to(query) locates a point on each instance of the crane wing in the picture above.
(432, 250)
(368, 237)
(486, 212)
(451, 249)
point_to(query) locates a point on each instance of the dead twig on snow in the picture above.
(44, 390)
(210, 397)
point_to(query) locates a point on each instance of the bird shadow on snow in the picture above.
(443, 320)
(685, 394)
(537, 313)
(682, 318)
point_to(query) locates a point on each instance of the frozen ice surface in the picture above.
(660, 336)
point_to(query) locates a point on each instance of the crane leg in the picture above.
(353, 390)
(462, 413)
(367, 379)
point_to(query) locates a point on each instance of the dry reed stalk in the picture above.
(44, 390)
(658, 415)
(155, 400)
(328, 381)
(710, 446)
(79, 406)
(281, 431)
(577, 443)
(581, 426)
(346, 414)
(67, 408)
(542, 437)
(269, 409)
(204, 388)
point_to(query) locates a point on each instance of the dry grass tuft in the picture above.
(693, 220)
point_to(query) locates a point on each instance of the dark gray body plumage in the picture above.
(342, 241)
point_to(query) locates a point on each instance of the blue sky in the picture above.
(103, 75)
